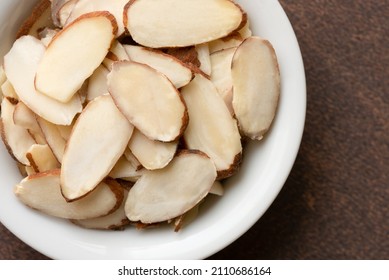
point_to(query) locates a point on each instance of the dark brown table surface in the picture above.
(335, 203)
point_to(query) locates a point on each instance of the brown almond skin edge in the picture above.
(240, 26)
(234, 167)
(106, 14)
(4, 138)
(38, 10)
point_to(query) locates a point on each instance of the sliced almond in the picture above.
(60, 74)
(65, 131)
(47, 35)
(231, 41)
(186, 218)
(204, 58)
(187, 55)
(65, 12)
(174, 69)
(148, 100)
(41, 158)
(116, 53)
(115, 7)
(39, 18)
(83, 91)
(175, 23)
(125, 169)
(61, 10)
(221, 75)
(22, 169)
(245, 31)
(132, 159)
(16, 138)
(124, 184)
(38, 137)
(97, 83)
(24, 117)
(30, 170)
(150, 153)
(20, 66)
(119, 51)
(99, 137)
(211, 127)
(9, 92)
(163, 194)
(109, 60)
(114, 221)
(217, 188)
(3, 78)
(256, 82)
(53, 138)
(43, 193)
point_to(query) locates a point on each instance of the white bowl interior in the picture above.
(265, 168)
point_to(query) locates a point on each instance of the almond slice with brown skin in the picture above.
(97, 83)
(60, 11)
(174, 69)
(65, 131)
(115, 7)
(20, 66)
(98, 139)
(40, 17)
(256, 83)
(180, 23)
(42, 158)
(187, 55)
(9, 92)
(148, 100)
(211, 127)
(132, 159)
(118, 50)
(221, 75)
(46, 35)
(16, 138)
(60, 74)
(3, 77)
(125, 169)
(82, 92)
(217, 188)
(53, 138)
(114, 221)
(163, 194)
(204, 58)
(245, 31)
(186, 218)
(150, 153)
(42, 192)
(22, 169)
(38, 137)
(25, 170)
(24, 117)
(109, 60)
(231, 41)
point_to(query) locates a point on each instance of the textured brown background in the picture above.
(335, 204)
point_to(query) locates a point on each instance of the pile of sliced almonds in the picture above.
(132, 112)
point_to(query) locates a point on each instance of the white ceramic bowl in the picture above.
(222, 220)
